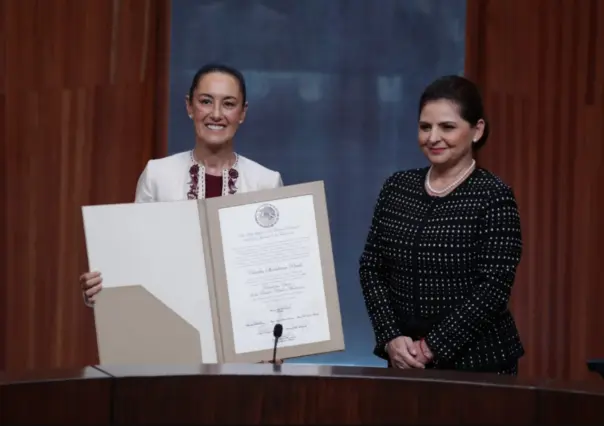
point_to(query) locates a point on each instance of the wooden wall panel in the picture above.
(83, 106)
(540, 64)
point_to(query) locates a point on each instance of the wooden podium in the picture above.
(289, 394)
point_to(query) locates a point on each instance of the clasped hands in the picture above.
(405, 353)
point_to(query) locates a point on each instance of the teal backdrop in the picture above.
(333, 87)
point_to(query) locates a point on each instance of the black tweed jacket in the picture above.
(442, 268)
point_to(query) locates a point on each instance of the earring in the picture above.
(191, 116)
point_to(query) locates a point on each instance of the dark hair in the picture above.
(465, 94)
(220, 68)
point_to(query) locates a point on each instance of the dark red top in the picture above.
(213, 186)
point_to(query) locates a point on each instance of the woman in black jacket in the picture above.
(443, 247)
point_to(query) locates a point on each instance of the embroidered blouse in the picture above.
(213, 186)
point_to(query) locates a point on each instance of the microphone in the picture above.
(277, 332)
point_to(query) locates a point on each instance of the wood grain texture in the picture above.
(83, 106)
(540, 64)
(60, 397)
(310, 394)
(291, 394)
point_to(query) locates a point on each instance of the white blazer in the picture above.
(167, 179)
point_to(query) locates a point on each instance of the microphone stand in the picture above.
(277, 332)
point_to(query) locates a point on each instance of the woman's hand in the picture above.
(424, 354)
(92, 284)
(403, 353)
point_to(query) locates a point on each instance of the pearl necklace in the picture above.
(452, 185)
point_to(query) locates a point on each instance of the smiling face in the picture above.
(444, 136)
(216, 108)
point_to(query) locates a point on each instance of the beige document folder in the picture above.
(205, 281)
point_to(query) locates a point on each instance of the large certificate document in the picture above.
(207, 281)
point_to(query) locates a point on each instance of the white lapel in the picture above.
(244, 183)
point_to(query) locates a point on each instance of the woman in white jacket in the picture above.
(217, 105)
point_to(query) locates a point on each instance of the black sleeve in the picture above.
(500, 253)
(375, 290)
